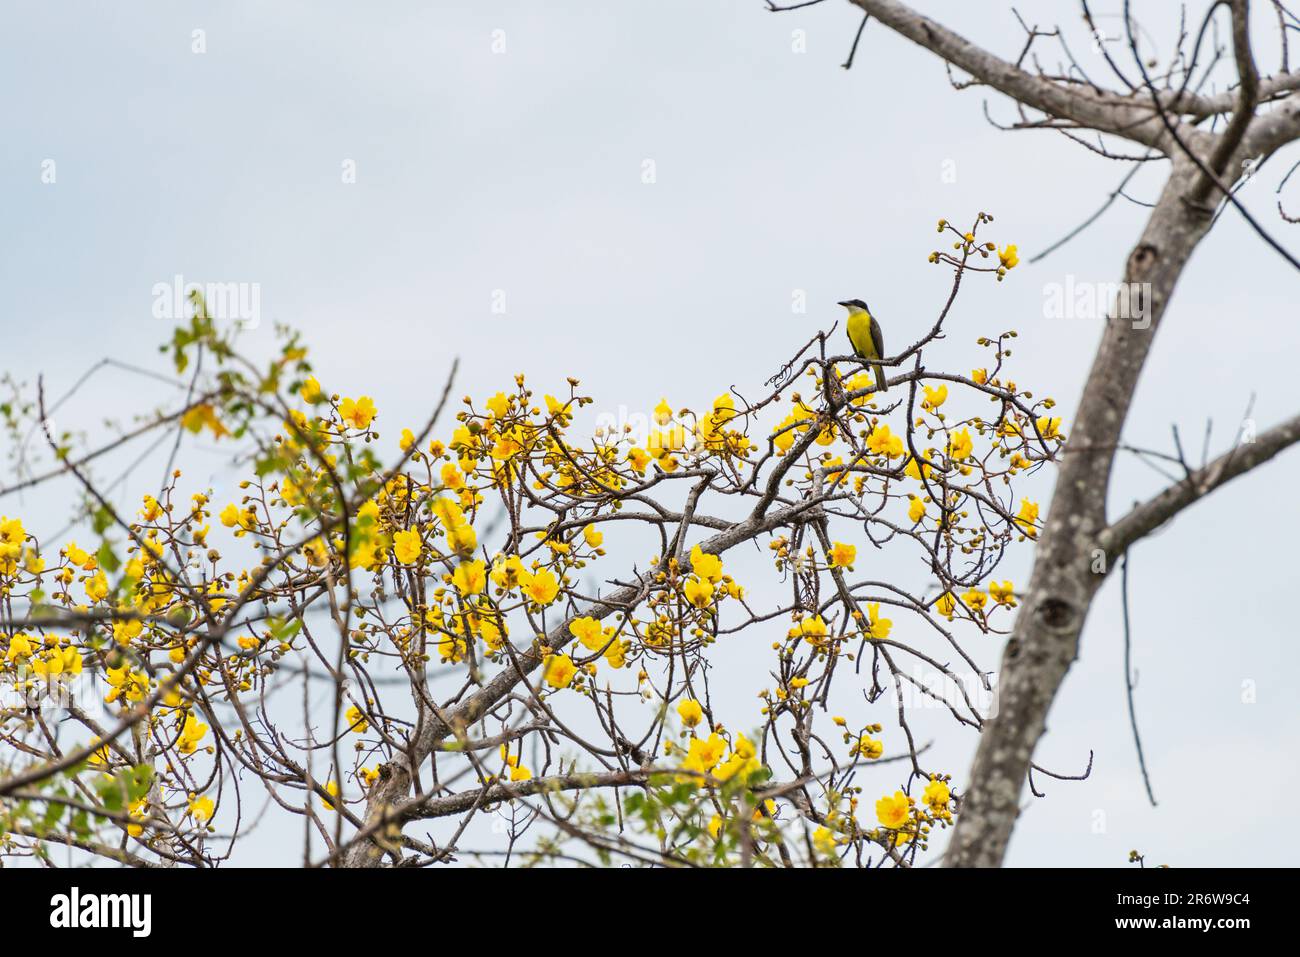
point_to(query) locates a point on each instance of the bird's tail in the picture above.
(878, 371)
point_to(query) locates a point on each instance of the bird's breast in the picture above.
(859, 328)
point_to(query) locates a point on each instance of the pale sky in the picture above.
(517, 176)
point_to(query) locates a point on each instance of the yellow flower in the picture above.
(506, 447)
(1007, 256)
(97, 587)
(559, 410)
(310, 390)
(71, 661)
(587, 630)
(893, 812)
(639, 459)
(869, 747)
(699, 593)
(660, 443)
(133, 684)
(979, 376)
(883, 442)
(593, 536)
(451, 648)
(616, 653)
(138, 811)
(498, 405)
(452, 477)
(742, 760)
(975, 599)
(201, 810)
(541, 586)
(152, 509)
(937, 795)
(824, 840)
(48, 668)
(663, 412)
(946, 604)
(1049, 426)
(492, 632)
(1027, 517)
(877, 626)
(80, 557)
(706, 565)
(357, 412)
(783, 435)
(558, 671)
(704, 755)
(842, 555)
(332, 788)
(507, 571)
(934, 397)
(812, 630)
(20, 646)
(914, 468)
(202, 415)
(960, 445)
(406, 441)
(407, 546)
(316, 553)
(357, 720)
(191, 734)
(462, 539)
(691, 712)
(448, 512)
(33, 563)
(470, 578)
(1002, 593)
(915, 509)
(12, 536)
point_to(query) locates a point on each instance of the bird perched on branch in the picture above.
(864, 335)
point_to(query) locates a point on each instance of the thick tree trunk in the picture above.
(1069, 563)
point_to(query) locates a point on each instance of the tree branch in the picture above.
(1107, 112)
(1153, 513)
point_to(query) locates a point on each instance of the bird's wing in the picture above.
(877, 339)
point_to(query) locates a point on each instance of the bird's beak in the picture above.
(845, 303)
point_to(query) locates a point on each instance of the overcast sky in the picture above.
(501, 153)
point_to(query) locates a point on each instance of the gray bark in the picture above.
(1067, 572)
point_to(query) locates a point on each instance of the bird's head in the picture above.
(855, 306)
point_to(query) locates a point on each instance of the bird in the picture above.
(865, 337)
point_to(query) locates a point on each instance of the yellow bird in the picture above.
(864, 335)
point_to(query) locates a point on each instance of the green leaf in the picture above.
(111, 791)
(107, 558)
(101, 520)
(140, 780)
(125, 787)
(54, 813)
